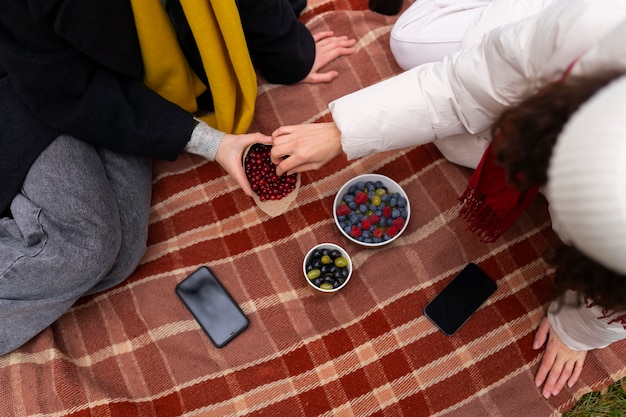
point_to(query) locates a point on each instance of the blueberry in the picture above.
(359, 186)
(363, 208)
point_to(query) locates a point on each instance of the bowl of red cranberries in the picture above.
(371, 210)
(327, 268)
(261, 173)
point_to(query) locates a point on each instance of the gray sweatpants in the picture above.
(79, 226)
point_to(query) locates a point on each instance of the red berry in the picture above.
(343, 210)
(378, 232)
(398, 222)
(360, 198)
(261, 173)
(374, 219)
(365, 224)
(392, 231)
(355, 231)
(387, 211)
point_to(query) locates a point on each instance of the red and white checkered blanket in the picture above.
(136, 351)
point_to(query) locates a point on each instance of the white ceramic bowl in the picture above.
(318, 249)
(396, 199)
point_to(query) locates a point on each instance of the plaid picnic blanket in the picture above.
(135, 350)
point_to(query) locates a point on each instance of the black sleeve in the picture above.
(281, 47)
(73, 92)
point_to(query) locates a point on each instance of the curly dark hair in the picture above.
(576, 271)
(524, 137)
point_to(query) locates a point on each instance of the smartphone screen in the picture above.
(212, 306)
(456, 303)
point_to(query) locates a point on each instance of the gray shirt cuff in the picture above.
(204, 141)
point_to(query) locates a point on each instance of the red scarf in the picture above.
(491, 203)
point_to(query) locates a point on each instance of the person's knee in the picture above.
(89, 255)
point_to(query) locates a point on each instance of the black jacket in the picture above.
(74, 67)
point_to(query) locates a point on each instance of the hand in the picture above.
(327, 48)
(230, 153)
(560, 364)
(307, 146)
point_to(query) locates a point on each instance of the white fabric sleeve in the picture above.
(466, 91)
(585, 326)
(204, 141)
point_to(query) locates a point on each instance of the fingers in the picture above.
(321, 77)
(321, 35)
(547, 362)
(542, 333)
(281, 131)
(578, 368)
(560, 365)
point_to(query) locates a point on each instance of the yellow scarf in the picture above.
(217, 29)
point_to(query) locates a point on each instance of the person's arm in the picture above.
(75, 92)
(226, 149)
(568, 332)
(467, 90)
(283, 49)
(586, 326)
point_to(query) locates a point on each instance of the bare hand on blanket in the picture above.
(560, 364)
(230, 153)
(327, 48)
(308, 146)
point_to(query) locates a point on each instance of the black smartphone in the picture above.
(212, 306)
(456, 303)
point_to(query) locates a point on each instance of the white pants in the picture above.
(431, 29)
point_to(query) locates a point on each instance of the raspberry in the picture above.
(398, 222)
(374, 219)
(392, 231)
(378, 232)
(355, 231)
(365, 224)
(387, 211)
(343, 210)
(360, 198)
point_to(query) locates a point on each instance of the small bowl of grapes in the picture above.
(327, 268)
(371, 210)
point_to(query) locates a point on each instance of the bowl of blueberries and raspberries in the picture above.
(371, 210)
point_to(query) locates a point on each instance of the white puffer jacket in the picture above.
(510, 52)
(533, 43)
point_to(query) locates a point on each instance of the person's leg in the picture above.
(431, 29)
(130, 178)
(465, 150)
(65, 236)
